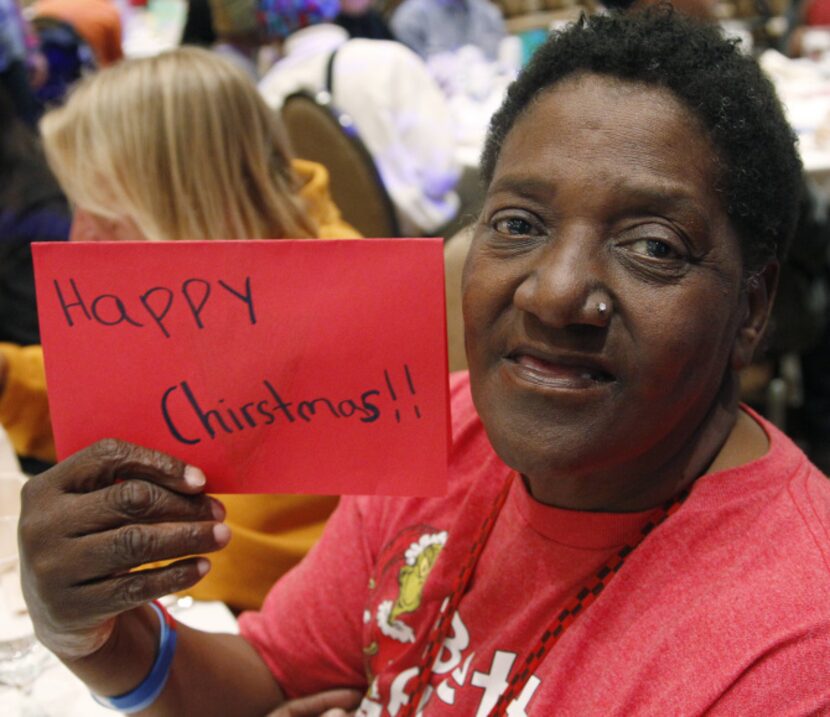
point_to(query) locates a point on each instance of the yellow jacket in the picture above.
(271, 533)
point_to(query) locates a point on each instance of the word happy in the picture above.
(151, 308)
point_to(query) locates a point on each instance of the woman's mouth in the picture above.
(570, 372)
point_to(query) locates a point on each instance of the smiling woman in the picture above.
(591, 207)
(620, 536)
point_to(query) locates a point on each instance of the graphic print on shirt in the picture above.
(405, 564)
(396, 622)
(469, 689)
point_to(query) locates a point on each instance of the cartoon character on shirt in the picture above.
(419, 559)
(396, 594)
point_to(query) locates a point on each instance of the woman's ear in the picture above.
(84, 226)
(758, 296)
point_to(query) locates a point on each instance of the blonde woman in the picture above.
(181, 146)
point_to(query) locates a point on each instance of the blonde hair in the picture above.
(181, 145)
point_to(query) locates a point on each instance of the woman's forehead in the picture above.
(609, 104)
(592, 130)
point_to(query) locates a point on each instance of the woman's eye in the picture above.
(655, 248)
(514, 226)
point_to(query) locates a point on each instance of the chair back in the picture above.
(320, 133)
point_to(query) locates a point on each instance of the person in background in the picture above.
(32, 208)
(178, 183)
(237, 31)
(397, 108)
(431, 27)
(360, 19)
(96, 21)
(22, 66)
(198, 26)
(699, 9)
(620, 537)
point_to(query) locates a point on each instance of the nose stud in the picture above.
(602, 309)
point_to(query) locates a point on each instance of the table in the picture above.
(60, 694)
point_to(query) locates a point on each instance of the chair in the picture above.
(320, 133)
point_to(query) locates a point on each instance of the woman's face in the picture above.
(604, 193)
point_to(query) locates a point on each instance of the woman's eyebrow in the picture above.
(673, 200)
(636, 196)
(528, 187)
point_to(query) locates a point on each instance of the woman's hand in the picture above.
(93, 518)
(333, 703)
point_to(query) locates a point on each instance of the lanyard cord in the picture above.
(578, 605)
(566, 617)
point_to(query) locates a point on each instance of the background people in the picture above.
(22, 66)
(431, 27)
(32, 208)
(178, 183)
(397, 108)
(96, 21)
(360, 19)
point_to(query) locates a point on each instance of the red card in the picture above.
(299, 366)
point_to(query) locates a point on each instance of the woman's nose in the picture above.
(566, 285)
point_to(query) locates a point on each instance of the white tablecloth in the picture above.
(60, 694)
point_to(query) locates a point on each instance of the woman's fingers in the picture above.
(116, 551)
(83, 619)
(114, 595)
(331, 703)
(90, 521)
(107, 461)
(136, 501)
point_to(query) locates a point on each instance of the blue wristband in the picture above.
(150, 688)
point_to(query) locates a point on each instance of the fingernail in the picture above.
(217, 509)
(221, 533)
(194, 477)
(202, 565)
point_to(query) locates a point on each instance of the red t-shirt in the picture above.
(818, 13)
(724, 608)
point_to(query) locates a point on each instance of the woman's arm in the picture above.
(86, 526)
(212, 674)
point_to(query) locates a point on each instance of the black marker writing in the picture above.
(153, 307)
(393, 394)
(191, 418)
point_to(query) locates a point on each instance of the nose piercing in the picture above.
(602, 309)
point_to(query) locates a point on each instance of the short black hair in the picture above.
(760, 170)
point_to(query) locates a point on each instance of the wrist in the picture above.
(146, 692)
(124, 657)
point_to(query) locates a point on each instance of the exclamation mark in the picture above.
(411, 387)
(392, 393)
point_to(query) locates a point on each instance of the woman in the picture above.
(180, 146)
(620, 536)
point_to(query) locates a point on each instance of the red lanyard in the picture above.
(563, 620)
